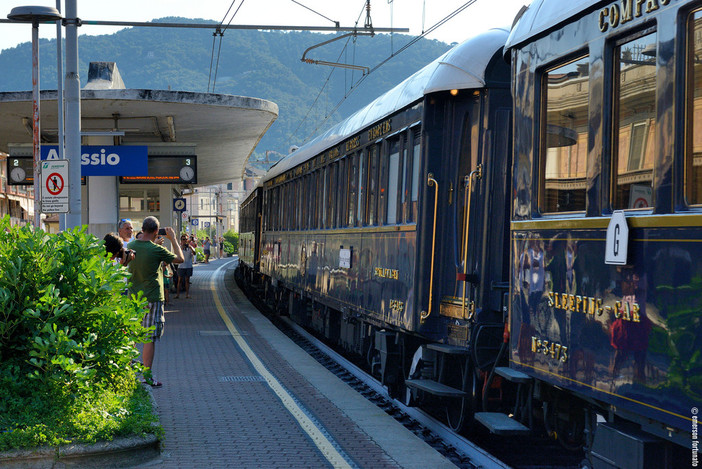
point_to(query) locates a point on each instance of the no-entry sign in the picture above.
(54, 186)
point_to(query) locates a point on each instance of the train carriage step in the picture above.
(435, 388)
(512, 375)
(501, 424)
(448, 349)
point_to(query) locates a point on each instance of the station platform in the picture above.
(239, 393)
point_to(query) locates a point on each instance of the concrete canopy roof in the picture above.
(225, 128)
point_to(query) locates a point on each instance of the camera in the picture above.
(162, 231)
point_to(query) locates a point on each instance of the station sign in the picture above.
(167, 170)
(20, 171)
(106, 160)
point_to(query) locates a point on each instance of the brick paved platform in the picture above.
(238, 393)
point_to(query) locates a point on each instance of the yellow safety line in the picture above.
(320, 440)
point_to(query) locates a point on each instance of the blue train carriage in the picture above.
(250, 233)
(366, 224)
(606, 244)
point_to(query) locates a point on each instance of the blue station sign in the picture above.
(98, 160)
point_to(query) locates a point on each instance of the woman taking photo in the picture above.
(185, 269)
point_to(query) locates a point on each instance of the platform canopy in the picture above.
(224, 128)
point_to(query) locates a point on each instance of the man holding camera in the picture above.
(147, 277)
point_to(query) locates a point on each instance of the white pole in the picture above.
(59, 97)
(36, 150)
(73, 217)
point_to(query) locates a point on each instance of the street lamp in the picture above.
(35, 15)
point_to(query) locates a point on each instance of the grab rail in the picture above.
(477, 173)
(425, 314)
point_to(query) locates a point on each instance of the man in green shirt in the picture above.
(147, 277)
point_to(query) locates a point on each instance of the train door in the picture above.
(460, 171)
(452, 143)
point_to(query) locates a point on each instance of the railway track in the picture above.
(481, 451)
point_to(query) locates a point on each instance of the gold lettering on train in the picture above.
(380, 129)
(626, 10)
(353, 143)
(555, 350)
(627, 308)
(387, 273)
(397, 306)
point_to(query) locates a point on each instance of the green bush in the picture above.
(228, 248)
(67, 333)
(231, 237)
(200, 254)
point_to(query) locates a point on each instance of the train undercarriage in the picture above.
(457, 385)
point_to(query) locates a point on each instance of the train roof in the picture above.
(462, 67)
(542, 15)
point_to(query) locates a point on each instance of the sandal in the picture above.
(153, 383)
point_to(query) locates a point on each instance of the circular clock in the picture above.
(187, 173)
(179, 204)
(17, 174)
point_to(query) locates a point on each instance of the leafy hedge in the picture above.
(67, 338)
(231, 237)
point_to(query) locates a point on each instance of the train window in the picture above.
(416, 151)
(313, 199)
(404, 197)
(265, 222)
(289, 205)
(353, 181)
(333, 190)
(318, 199)
(303, 207)
(325, 195)
(382, 185)
(371, 205)
(280, 197)
(271, 209)
(393, 176)
(362, 173)
(309, 201)
(693, 160)
(342, 209)
(635, 123)
(299, 202)
(563, 169)
(285, 206)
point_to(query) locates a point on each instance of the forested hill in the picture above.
(261, 64)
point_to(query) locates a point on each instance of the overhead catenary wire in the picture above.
(391, 56)
(315, 12)
(326, 82)
(220, 32)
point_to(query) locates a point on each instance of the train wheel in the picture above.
(457, 375)
(568, 420)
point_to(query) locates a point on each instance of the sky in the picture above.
(417, 15)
